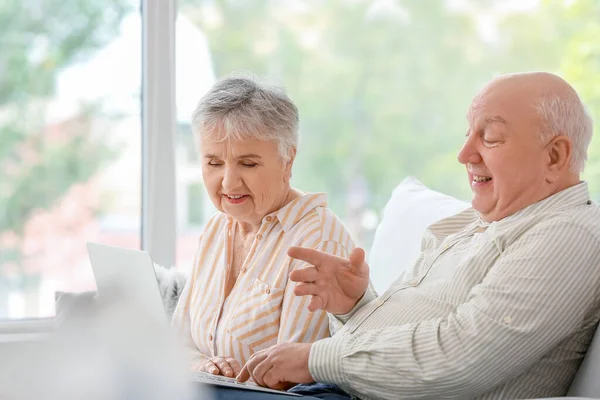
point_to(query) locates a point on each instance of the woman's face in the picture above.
(245, 179)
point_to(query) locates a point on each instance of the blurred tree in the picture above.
(383, 86)
(561, 37)
(580, 65)
(39, 163)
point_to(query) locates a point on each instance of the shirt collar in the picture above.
(565, 199)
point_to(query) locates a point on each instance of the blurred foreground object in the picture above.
(114, 349)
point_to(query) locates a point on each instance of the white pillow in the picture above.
(397, 243)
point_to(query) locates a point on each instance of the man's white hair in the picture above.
(241, 107)
(567, 116)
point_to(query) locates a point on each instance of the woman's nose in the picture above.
(231, 179)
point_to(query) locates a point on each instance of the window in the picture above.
(382, 86)
(70, 144)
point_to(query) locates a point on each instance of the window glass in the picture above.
(382, 86)
(70, 144)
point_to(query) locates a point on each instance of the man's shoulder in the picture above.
(585, 217)
(582, 221)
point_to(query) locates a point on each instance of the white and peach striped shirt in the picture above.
(261, 309)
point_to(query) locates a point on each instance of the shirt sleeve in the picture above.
(537, 294)
(368, 297)
(297, 323)
(181, 320)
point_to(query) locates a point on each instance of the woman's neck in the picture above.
(247, 229)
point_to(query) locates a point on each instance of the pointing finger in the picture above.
(311, 256)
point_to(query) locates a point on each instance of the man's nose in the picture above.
(469, 152)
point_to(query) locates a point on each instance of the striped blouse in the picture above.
(261, 309)
(500, 310)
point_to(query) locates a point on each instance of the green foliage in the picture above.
(581, 67)
(37, 40)
(38, 185)
(383, 92)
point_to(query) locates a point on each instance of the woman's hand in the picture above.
(226, 366)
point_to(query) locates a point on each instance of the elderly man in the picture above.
(504, 298)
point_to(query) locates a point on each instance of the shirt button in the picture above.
(379, 302)
(244, 270)
(210, 338)
(413, 283)
(269, 218)
(507, 320)
(445, 247)
(267, 290)
(259, 236)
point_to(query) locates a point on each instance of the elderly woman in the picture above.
(238, 299)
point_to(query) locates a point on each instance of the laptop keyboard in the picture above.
(221, 378)
(205, 377)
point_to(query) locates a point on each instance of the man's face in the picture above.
(506, 162)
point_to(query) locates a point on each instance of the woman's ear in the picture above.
(559, 157)
(288, 166)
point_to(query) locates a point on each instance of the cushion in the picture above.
(397, 243)
(586, 381)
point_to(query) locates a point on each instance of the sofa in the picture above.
(397, 243)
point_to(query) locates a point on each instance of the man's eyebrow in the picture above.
(210, 156)
(495, 118)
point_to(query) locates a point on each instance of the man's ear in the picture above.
(559, 157)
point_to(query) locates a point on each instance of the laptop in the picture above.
(133, 272)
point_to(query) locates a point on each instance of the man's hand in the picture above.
(335, 284)
(226, 366)
(279, 367)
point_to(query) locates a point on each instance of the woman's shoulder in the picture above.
(215, 223)
(216, 220)
(314, 215)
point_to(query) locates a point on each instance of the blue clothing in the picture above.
(310, 391)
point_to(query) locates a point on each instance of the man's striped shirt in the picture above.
(490, 310)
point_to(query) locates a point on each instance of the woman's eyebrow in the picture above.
(249, 155)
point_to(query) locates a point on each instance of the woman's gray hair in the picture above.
(567, 115)
(242, 107)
